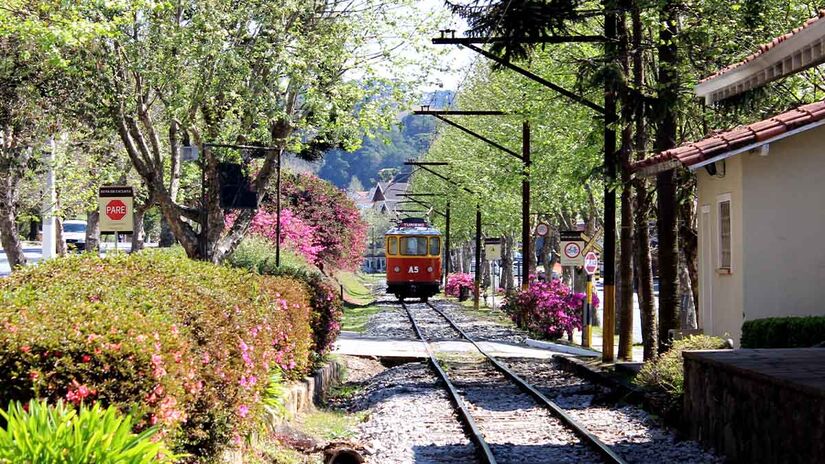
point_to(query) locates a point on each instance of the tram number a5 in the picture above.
(413, 270)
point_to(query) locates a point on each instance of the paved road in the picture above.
(34, 254)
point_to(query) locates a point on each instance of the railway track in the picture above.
(504, 415)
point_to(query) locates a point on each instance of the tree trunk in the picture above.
(643, 271)
(138, 236)
(507, 263)
(690, 249)
(93, 231)
(9, 235)
(687, 309)
(60, 242)
(667, 101)
(167, 238)
(33, 225)
(625, 277)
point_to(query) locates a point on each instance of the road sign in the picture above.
(492, 249)
(542, 229)
(591, 263)
(116, 206)
(572, 244)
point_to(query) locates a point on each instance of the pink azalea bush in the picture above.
(339, 231)
(296, 235)
(456, 281)
(548, 309)
(189, 344)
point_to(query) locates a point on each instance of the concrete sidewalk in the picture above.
(351, 343)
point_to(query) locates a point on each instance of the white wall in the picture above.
(784, 221)
(724, 316)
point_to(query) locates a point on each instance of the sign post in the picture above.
(492, 251)
(572, 244)
(591, 265)
(116, 205)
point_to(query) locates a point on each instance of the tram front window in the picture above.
(414, 246)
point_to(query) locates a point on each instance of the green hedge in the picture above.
(783, 332)
(189, 345)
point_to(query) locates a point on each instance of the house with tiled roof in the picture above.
(760, 192)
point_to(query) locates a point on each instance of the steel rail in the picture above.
(580, 430)
(482, 448)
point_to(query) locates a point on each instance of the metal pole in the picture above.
(204, 207)
(478, 258)
(588, 313)
(525, 206)
(447, 247)
(609, 192)
(278, 213)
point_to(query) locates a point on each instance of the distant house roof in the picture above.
(743, 138)
(795, 51)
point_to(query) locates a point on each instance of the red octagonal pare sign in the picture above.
(116, 204)
(116, 210)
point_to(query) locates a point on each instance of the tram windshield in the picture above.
(392, 245)
(414, 246)
(435, 246)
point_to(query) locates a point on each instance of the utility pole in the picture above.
(609, 113)
(526, 242)
(525, 207)
(425, 166)
(609, 323)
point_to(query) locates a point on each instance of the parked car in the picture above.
(74, 233)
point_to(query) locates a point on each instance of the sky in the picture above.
(454, 65)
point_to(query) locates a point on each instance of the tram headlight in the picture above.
(430, 269)
(396, 269)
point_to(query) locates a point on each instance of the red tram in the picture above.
(413, 250)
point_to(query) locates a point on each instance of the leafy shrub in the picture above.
(60, 434)
(455, 282)
(327, 309)
(296, 235)
(783, 332)
(547, 309)
(666, 373)
(185, 341)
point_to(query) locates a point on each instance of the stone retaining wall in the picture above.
(299, 397)
(749, 416)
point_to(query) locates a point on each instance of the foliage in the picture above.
(457, 281)
(666, 373)
(784, 332)
(185, 341)
(60, 434)
(547, 309)
(327, 308)
(340, 234)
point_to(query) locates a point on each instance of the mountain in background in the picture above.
(362, 168)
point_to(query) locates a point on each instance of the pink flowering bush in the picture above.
(456, 281)
(547, 309)
(339, 232)
(296, 235)
(189, 344)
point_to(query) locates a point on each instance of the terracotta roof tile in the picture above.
(723, 142)
(765, 47)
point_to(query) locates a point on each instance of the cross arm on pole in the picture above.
(556, 39)
(479, 136)
(535, 77)
(421, 203)
(423, 165)
(425, 110)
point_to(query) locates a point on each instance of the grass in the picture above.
(330, 425)
(356, 318)
(355, 288)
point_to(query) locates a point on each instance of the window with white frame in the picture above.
(725, 232)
